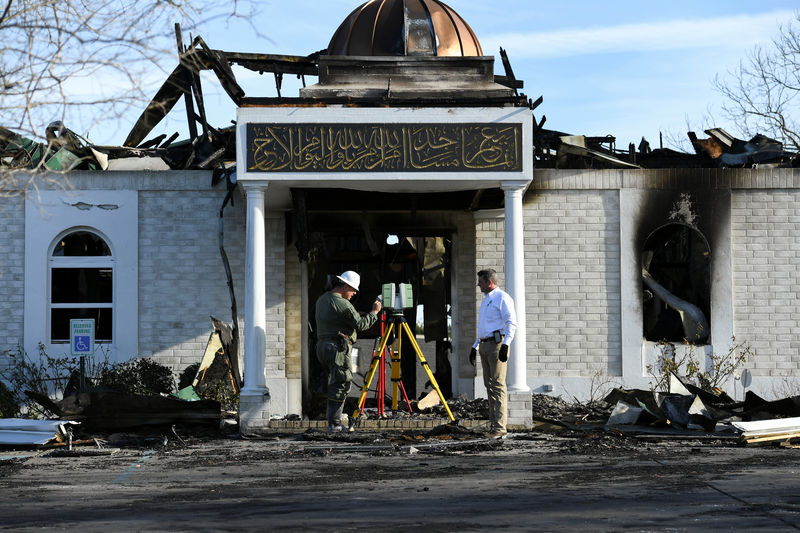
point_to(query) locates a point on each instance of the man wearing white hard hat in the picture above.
(338, 322)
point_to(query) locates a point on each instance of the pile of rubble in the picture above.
(684, 411)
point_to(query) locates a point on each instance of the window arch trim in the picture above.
(89, 283)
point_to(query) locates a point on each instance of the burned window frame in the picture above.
(692, 274)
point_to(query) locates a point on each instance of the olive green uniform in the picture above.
(336, 315)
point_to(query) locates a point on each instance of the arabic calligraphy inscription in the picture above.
(384, 147)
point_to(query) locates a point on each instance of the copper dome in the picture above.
(404, 28)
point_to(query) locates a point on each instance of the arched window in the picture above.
(81, 268)
(676, 260)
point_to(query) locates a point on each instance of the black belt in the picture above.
(333, 338)
(488, 339)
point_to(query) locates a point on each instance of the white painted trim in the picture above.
(435, 181)
(50, 215)
(58, 262)
(255, 294)
(515, 283)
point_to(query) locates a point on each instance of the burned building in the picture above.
(412, 161)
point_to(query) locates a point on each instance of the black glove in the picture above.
(503, 353)
(472, 355)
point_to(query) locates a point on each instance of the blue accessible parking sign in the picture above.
(82, 336)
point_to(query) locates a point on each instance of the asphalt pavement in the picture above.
(532, 481)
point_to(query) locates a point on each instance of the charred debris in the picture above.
(207, 148)
(684, 411)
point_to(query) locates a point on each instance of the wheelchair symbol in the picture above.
(81, 344)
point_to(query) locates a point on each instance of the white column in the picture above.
(255, 294)
(517, 377)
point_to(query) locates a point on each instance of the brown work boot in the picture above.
(496, 434)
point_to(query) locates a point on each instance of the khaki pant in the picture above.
(335, 357)
(494, 378)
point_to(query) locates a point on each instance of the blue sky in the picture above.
(630, 69)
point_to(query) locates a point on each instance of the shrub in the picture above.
(45, 375)
(138, 376)
(49, 376)
(9, 407)
(719, 368)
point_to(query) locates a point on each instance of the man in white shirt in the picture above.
(497, 322)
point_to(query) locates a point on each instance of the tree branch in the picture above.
(5, 12)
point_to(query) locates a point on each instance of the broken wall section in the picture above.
(750, 218)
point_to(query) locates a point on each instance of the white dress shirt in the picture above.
(496, 313)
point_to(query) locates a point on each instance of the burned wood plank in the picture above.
(285, 64)
(771, 438)
(162, 103)
(113, 410)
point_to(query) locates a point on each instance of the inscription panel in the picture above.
(457, 147)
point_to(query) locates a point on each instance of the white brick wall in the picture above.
(765, 225)
(12, 274)
(572, 283)
(276, 295)
(182, 279)
(464, 320)
(294, 312)
(572, 263)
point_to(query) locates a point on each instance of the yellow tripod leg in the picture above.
(424, 363)
(373, 367)
(396, 355)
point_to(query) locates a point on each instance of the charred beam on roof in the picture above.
(284, 64)
(509, 80)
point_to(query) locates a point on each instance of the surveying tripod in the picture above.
(398, 324)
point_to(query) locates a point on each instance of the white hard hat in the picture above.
(351, 278)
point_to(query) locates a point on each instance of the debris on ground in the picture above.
(217, 376)
(555, 410)
(21, 431)
(103, 410)
(686, 411)
(429, 400)
(783, 429)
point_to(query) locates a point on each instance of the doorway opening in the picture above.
(382, 254)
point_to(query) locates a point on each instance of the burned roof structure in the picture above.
(384, 53)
